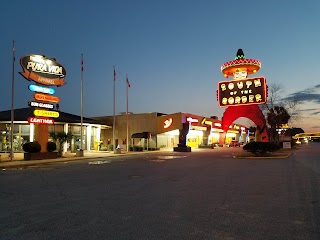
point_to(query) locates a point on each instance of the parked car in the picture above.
(234, 144)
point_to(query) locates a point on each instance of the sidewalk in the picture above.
(18, 160)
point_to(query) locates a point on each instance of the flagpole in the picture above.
(127, 87)
(114, 109)
(12, 102)
(81, 106)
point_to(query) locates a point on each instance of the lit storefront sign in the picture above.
(36, 88)
(242, 92)
(204, 121)
(40, 105)
(168, 123)
(44, 113)
(42, 70)
(192, 120)
(199, 128)
(40, 120)
(46, 98)
(217, 124)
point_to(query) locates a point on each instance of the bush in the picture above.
(51, 146)
(261, 147)
(31, 147)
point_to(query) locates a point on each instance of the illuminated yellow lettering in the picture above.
(231, 100)
(231, 86)
(238, 99)
(257, 83)
(240, 85)
(251, 98)
(224, 101)
(244, 99)
(258, 98)
(248, 83)
(223, 87)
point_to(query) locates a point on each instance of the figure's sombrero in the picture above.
(240, 64)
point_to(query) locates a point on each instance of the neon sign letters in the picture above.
(40, 120)
(36, 88)
(167, 123)
(42, 70)
(44, 113)
(242, 92)
(192, 120)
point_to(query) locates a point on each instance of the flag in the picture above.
(128, 83)
(82, 62)
(114, 74)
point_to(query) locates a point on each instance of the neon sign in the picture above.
(41, 105)
(242, 92)
(36, 88)
(192, 120)
(44, 113)
(43, 70)
(40, 120)
(46, 98)
(167, 123)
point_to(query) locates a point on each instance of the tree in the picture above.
(279, 110)
(275, 118)
(60, 138)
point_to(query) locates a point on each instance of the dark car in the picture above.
(234, 144)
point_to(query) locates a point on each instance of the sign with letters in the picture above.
(242, 92)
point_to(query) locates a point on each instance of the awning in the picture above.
(141, 135)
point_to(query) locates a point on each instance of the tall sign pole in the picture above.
(81, 105)
(12, 102)
(114, 109)
(127, 87)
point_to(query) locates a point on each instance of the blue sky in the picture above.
(171, 50)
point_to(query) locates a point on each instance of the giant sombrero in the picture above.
(240, 64)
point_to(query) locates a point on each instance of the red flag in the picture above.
(82, 62)
(114, 74)
(128, 83)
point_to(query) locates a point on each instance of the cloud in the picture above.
(307, 95)
(315, 127)
(315, 113)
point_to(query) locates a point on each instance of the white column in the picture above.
(89, 131)
(65, 145)
(98, 133)
(31, 137)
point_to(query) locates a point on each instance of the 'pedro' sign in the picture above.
(43, 70)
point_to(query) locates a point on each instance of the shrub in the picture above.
(51, 146)
(31, 147)
(261, 147)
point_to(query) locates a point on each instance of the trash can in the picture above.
(79, 153)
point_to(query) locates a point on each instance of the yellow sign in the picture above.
(45, 113)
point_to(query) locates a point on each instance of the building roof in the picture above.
(22, 114)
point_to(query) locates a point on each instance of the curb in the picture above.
(265, 157)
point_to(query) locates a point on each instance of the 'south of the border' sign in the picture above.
(43, 70)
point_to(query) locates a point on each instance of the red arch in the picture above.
(252, 112)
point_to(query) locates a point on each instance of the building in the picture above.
(23, 131)
(159, 130)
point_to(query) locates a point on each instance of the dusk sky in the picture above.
(171, 50)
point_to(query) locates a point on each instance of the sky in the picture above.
(172, 51)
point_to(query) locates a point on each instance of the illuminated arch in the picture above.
(252, 112)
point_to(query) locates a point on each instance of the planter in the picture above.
(40, 155)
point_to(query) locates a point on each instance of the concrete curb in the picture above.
(265, 157)
(27, 163)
